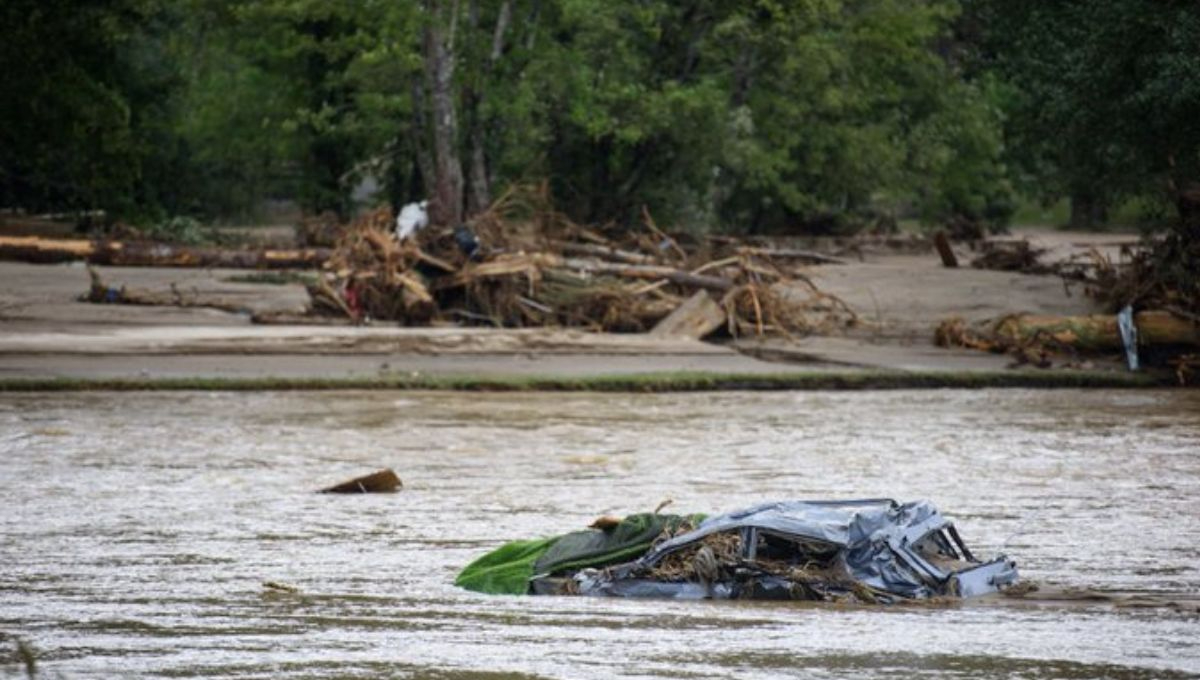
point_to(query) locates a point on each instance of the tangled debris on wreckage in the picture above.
(874, 551)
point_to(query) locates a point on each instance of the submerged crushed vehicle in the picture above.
(872, 550)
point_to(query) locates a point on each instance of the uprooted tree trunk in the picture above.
(1091, 333)
(1099, 332)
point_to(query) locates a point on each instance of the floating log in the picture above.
(383, 481)
(697, 317)
(1099, 332)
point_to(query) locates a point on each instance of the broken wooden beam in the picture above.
(383, 481)
(696, 318)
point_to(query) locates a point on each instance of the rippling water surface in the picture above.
(137, 530)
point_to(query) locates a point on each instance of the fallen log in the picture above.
(40, 250)
(101, 293)
(1099, 332)
(697, 317)
(383, 481)
(117, 253)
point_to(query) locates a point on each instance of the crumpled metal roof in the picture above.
(876, 541)
(840, 523)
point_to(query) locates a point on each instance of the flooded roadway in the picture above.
(138, 529)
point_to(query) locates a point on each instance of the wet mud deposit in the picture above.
(140, 528)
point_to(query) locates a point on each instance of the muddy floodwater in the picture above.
(137, 530)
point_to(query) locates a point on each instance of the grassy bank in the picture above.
(641, 382)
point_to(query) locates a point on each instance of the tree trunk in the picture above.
(1088, 210)
(445, 205)
(420, 141)
(1187, 202)
(479, 196)
(1099, 332)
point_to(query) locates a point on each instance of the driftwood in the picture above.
(101, 293)
(383, 481)
(43, 250)
(1099, 332)
(697, 317)
(156, 255)
(133, 254)
(1035, 339)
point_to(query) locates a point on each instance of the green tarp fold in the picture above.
(507, 570)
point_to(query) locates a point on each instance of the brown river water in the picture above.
(138, 529)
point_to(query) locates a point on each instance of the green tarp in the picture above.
(507, 570)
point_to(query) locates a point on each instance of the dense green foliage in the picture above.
(1104, 95)
(746, 115)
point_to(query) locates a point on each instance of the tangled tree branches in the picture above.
(522, 263)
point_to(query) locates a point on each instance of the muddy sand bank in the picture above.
(48, 334)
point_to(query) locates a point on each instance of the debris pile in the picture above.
(522, 263)
(1157, 276)
(1012, 256)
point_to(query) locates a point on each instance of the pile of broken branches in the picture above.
(521, 263)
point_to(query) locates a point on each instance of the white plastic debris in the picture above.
(1129, 336)
(412, 218)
